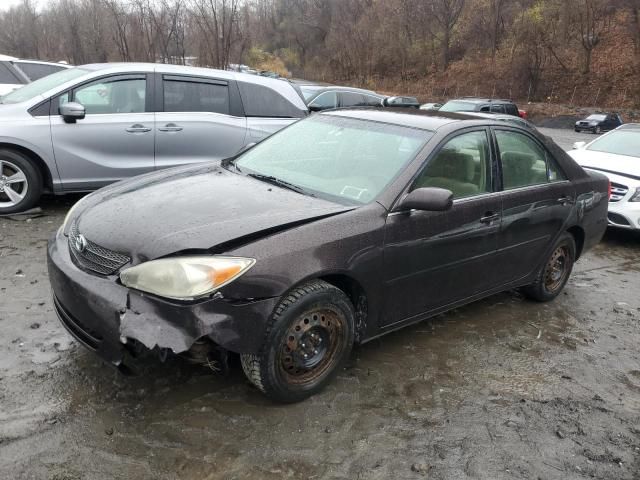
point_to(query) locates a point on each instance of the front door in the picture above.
(114, 140)
(196, 124)
(537, 199)
(433, 259)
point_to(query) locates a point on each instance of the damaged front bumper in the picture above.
(105, 316)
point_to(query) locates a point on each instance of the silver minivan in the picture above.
(82, 128)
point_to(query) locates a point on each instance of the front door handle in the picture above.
(137, 128)
(489, 217)
(564, 200)
(170, 127)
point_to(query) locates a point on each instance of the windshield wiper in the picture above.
(280, 183)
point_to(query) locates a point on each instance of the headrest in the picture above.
(454, 165)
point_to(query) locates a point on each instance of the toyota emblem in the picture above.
(81, 243)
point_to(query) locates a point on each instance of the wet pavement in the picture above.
(503, 388)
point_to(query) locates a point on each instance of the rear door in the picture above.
(537, 200)
(433, 259)
(114, 140)
(197, 120)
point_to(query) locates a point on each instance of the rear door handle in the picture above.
(170, 127)
(564, 200)
(138, 128)
(490, 217)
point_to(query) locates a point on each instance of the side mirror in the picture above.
(579, 145)
(72, 111)
(315, 107)
(431, 199)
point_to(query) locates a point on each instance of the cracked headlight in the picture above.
(185, 278)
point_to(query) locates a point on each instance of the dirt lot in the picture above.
(503, 388)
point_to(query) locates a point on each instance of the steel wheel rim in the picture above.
(319, 334)
(555, 271)
(13, 184)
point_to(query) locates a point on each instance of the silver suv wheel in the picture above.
(13, 184)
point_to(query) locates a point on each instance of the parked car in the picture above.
(340, 228)
(320, 97)
(599, 122)
(518, 121)
(86, 127)
(14, 72)
(430, 106)
(472, 104)
(617, 155)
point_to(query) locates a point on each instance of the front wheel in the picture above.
(555, 272)
(598, 130)
(308, 338)
(20, 182)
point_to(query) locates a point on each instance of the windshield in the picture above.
(619, 142)
(598, 118)
(455, 106)
(341, 159)
(309, 91)
(43, 85)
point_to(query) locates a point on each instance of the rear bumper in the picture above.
(104, 316)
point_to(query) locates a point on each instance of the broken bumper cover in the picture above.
(103, 315)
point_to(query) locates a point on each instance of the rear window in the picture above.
(458, 106)
(261, 101)
(37, 70)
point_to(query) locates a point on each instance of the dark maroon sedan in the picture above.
(340, 228)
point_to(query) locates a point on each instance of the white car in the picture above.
(617, 155)
(14, 72)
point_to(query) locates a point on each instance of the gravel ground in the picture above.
(500, 389)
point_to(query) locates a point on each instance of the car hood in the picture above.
(607, 162)
(197, 208)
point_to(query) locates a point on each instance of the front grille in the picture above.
(618, 219)
(583, 124)
(94, 257)
(618, 192)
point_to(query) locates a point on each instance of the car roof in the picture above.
(480, 100)
(6, 58)
(42, 62)
(338, 88)
(629, 126)
(414, 118)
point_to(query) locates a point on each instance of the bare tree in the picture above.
(593, 21)
(446, 13)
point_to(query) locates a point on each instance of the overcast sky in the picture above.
(5, 4)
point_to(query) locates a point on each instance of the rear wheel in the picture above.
(555, 273)
(20, 182)
(308, 338)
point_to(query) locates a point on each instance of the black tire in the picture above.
(31, 189)
(307, 316)
(555, 271)
(597, 130)
(577, 130)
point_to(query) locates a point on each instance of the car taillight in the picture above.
(609, 189)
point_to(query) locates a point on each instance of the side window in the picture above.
(7, 76)
(326, 100)
(37, 70)
(193, 96)
(371, 101)
(351, 99)
(524, 162)
(462, 165)
(262, 101)
(115, 95)
(485, 108)
(497, 108)
(512, 110)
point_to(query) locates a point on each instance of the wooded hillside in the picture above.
(584, 52)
